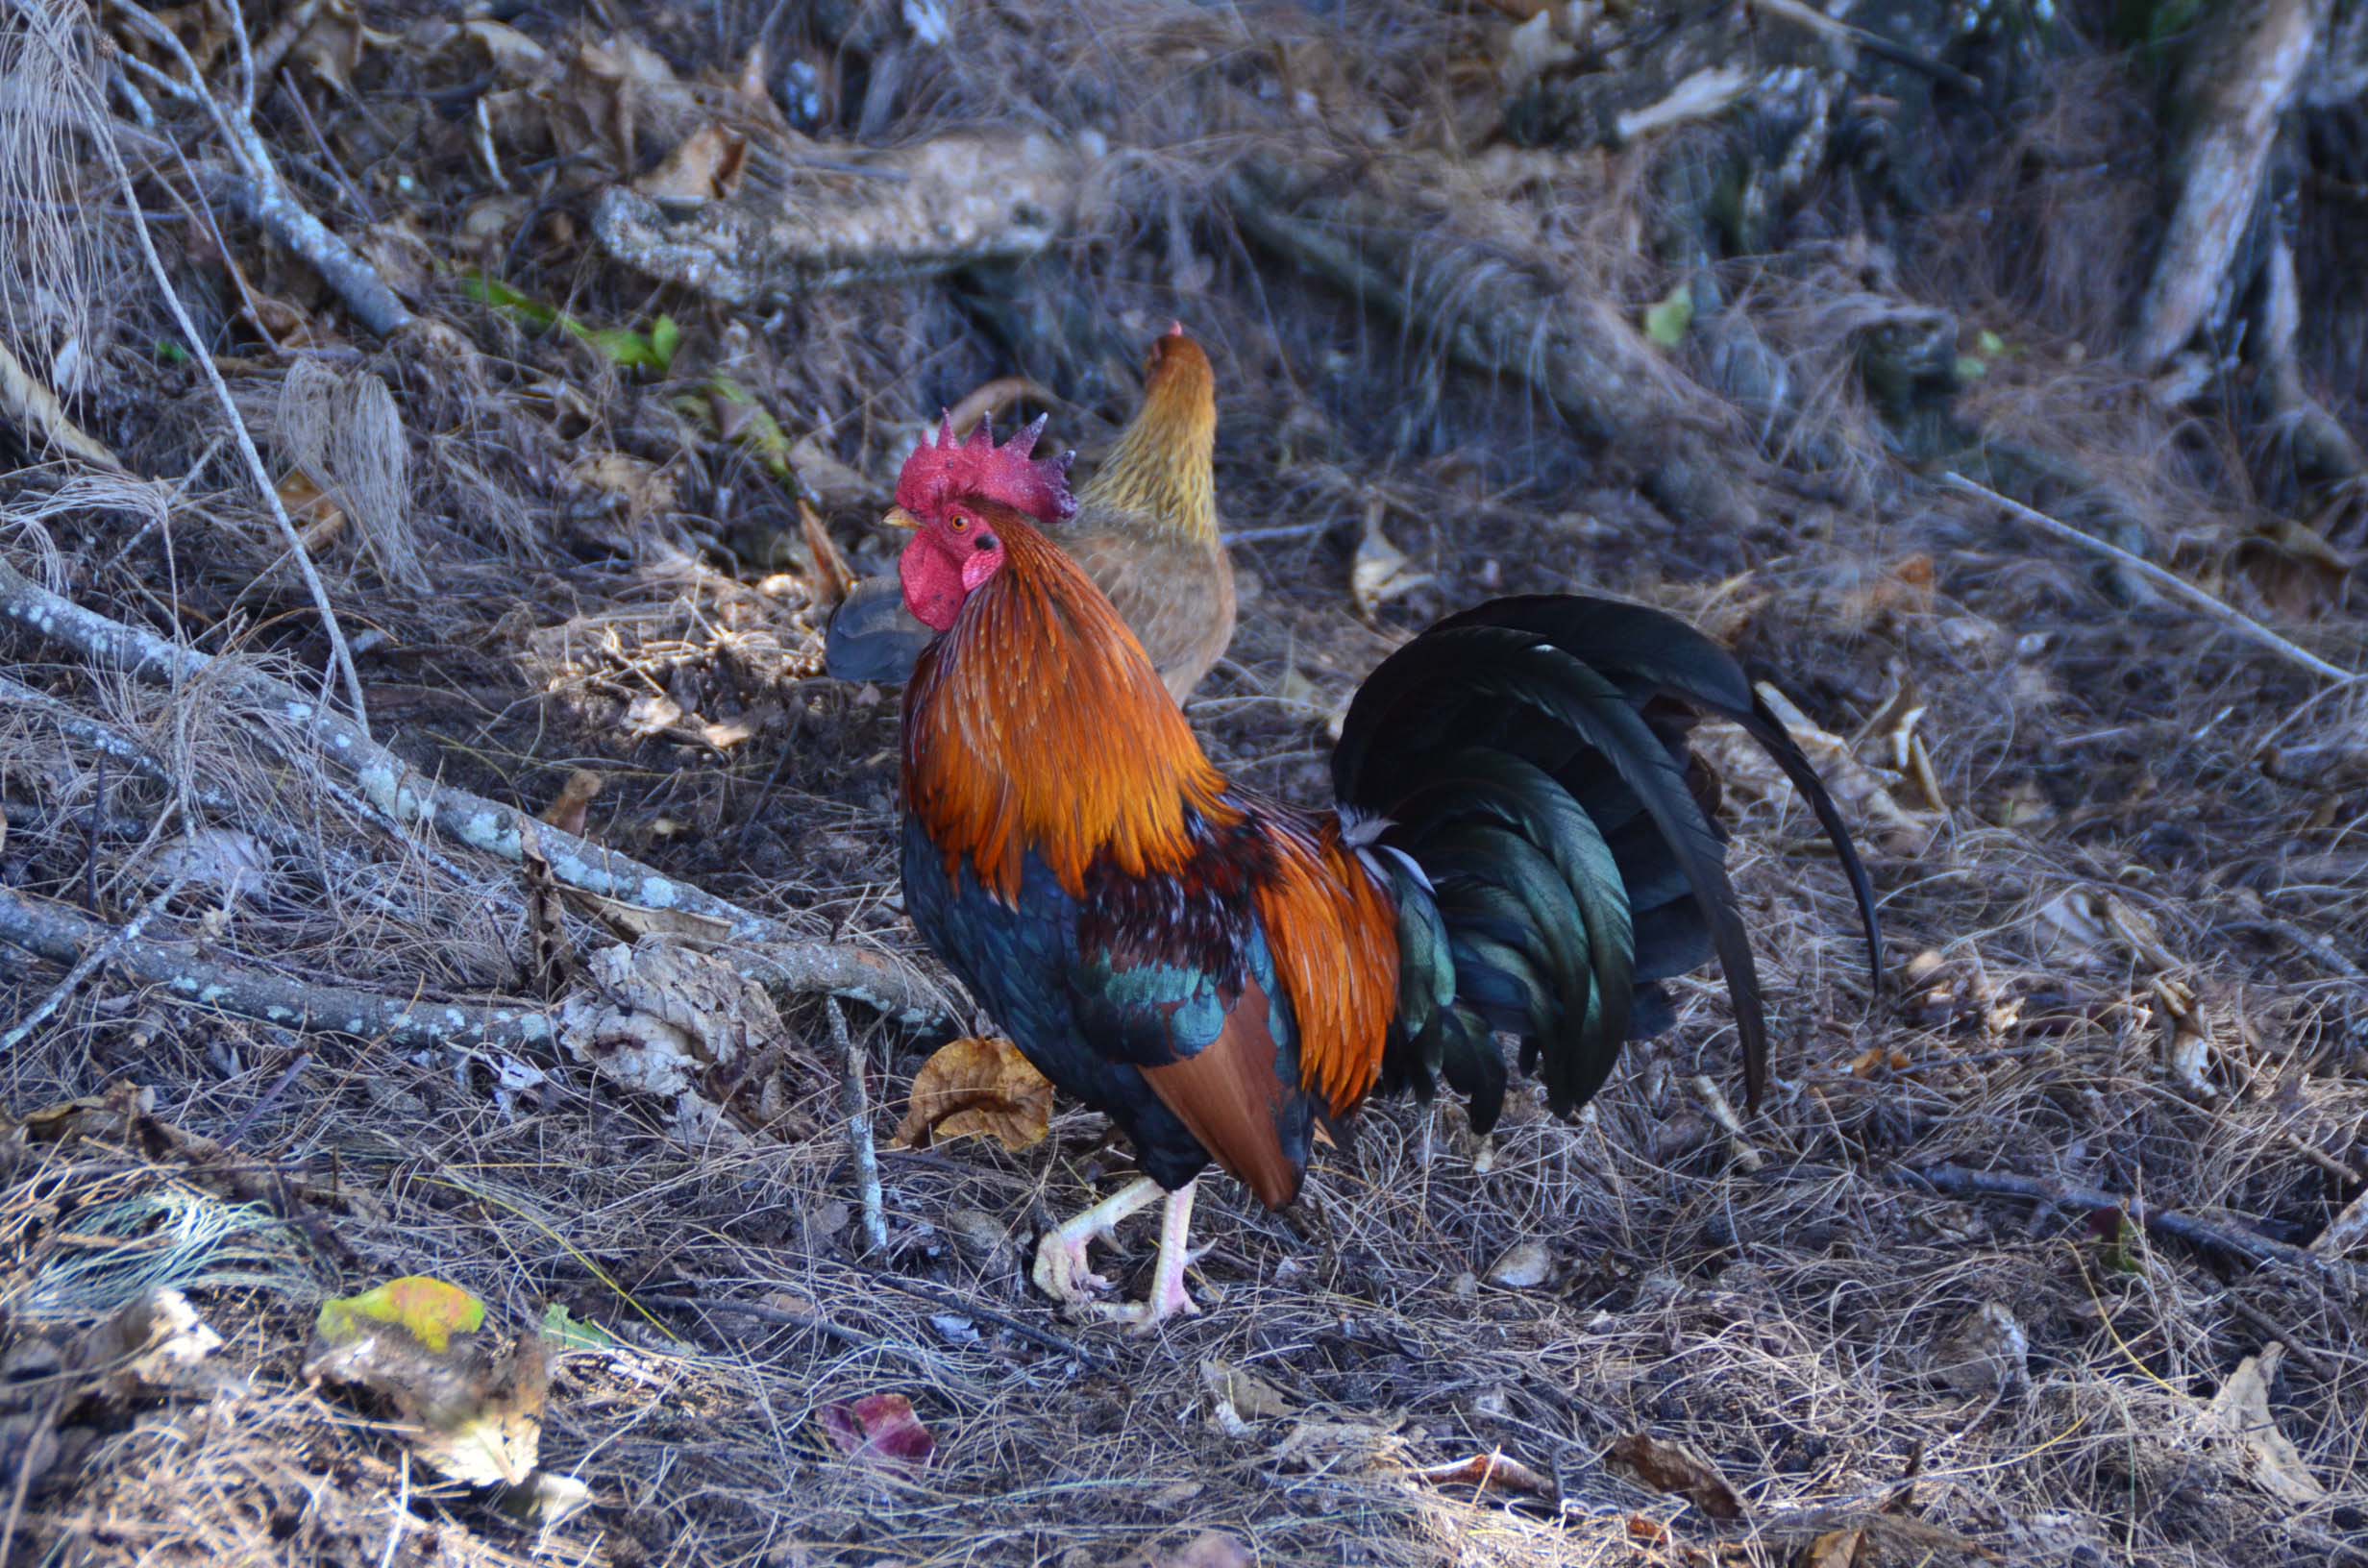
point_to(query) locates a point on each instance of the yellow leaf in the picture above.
(428, 1309)
(977, 1086)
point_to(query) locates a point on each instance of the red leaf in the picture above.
(880, 1427)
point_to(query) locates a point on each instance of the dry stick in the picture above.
(64, 936)
(2227, 615)
(261, 196)
(115, 941)
(256, 470)
(855, 1102)
(764, 948)
(2228, 1240)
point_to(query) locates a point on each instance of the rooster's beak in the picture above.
(898, 518)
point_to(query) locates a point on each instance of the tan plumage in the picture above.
(1145, 531)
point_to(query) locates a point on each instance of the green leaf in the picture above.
(665, 337)
(565, 1330)
(1989, 344)
(1970, 368)
(428, 1309)
(171, 353)
(1666, 323)
(488, 290)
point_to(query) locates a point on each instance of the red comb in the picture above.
(947, 468)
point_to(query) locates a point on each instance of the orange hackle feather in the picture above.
(1037, 725)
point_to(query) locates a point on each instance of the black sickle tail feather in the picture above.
(1560, 851)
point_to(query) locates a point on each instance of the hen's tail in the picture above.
(1556, 848)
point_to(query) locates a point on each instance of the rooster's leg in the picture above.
(1167, 1298)
(1061, 1271)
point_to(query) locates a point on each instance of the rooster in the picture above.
(1519, 843)
(1145, 529)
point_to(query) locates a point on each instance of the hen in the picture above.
(1519, 845)
(1145, 529)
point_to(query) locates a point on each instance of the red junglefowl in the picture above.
(1145, 529)
(1519, 845)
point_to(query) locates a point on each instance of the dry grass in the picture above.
(527, 609)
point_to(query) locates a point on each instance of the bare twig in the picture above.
(2235, 620)
(257, 190)
(1810, 16)
(262, 476)
(855, 1103)
(115, 941)
(2226, 1240)
(63, 936)
(764, 948)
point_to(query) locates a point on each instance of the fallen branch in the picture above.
(63, 936)
(945, 204)
(2228, 1240)
(2227, 615)
(764, 948)
(114, 942)
(1585, 359)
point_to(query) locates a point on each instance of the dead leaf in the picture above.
(832, 575)
(1674, 1468)
(1381, 571)
(1523, 1268)
(567, 812)
(1237, 1397)
(1989, 1353)
(2240, 1415)
(2296, 572)
(516, 57)
(878, 1426)
(418, 1344)
(1210, 1549)
(2098, 924)
(1485, 1472)
(318, 519)
(150, 1345)
(641, 488)
(1835, 1549)
(706, 166)
(1863, 791)
(659, 1017)
(980, 1085)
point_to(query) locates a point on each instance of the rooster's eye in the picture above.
(961, 523)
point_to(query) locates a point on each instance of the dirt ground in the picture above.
(2048, 1245)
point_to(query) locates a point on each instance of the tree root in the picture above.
(2242, 77)
(762, 949)
(1596, 369)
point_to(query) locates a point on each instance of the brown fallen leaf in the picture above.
(880, 1427)
(1486, 1472)
(1210, 1549)
(1237, 1397)
(1835, 1549)
(1381, 571)
(576, 795)
(2240, 1415)
(980, 1085)
(832, 575)
(1670, 1467)
(704, 166)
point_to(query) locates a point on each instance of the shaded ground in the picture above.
(2117, 843)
